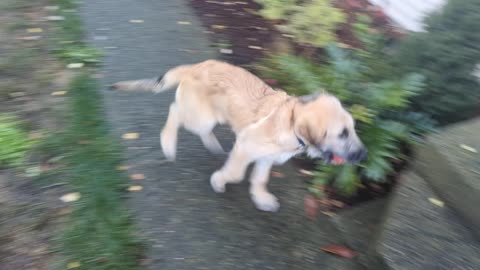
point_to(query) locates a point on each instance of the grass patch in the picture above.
(67, 42)
(100, 236)
(14, 141)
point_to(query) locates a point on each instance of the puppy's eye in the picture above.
(344, 134)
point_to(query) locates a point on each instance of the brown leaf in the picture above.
(278, 174)
(311, 206)
(137, 176)
(340, 251)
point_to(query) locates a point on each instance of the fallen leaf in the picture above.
(311, 206)
(35, 30)
(70, 197)
(255, 47)
(136, 21)
(55, 18)
(329, 213)
(30, 38)
(336, 203)
(468, 148)
(305, 172)
(436, 202)
(75, 65)
(84, 142)
(130, 136)
(226, 51)
(184, 23)
(122, 168)
(218, 26)
(65, 211)
(100, 38)
(58, 93)
(135, 188)
(137, 176)
(288, 35)
(340, 251)
(33, 171)
(35, 135)
(278, 174)
(72, 265)
(144, 262)
(51, 8)
(16, 94)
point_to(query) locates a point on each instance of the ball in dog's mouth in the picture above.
(337, 160)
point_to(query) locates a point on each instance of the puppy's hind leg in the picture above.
(211, 143)
(168, 136)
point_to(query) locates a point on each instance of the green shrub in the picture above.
(379, 108)
(446, 55)
(310, 22)
(14, 142)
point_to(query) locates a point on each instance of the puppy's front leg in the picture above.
(234, 169)
(263, 199)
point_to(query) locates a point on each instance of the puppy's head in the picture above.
(327, 129)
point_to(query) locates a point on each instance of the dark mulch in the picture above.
(235, 25)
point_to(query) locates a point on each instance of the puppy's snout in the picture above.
(358, 155)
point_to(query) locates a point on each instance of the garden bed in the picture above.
(236, 26)
(244, 37)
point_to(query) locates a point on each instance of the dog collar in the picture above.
(300, 141)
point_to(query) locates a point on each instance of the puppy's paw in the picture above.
(266, 202)
(217, 183)
(168, 147)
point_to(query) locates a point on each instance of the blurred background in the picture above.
(81, 171)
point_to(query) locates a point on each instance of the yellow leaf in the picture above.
(122, 168)
(130, 136)
(436, 202)
(70, 197)
(184, 22)
(75, 65)
(137, 176)
(255, 47)
(305, 172)
(218, 26)
(468, 148)
(135, 188)
(72, 265)
(58, 93)
(136, 21)
(34, 30)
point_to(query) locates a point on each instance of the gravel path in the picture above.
(189, 226)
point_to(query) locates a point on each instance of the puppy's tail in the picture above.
(169, 80)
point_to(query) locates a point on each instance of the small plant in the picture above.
(14, 142)
(81, 54)
(379, 108)
(310, 22)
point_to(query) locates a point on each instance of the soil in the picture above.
(236, 26)
(30, 213)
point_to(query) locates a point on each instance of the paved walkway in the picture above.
(187, 224)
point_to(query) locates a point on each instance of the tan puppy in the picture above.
(271, 126)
